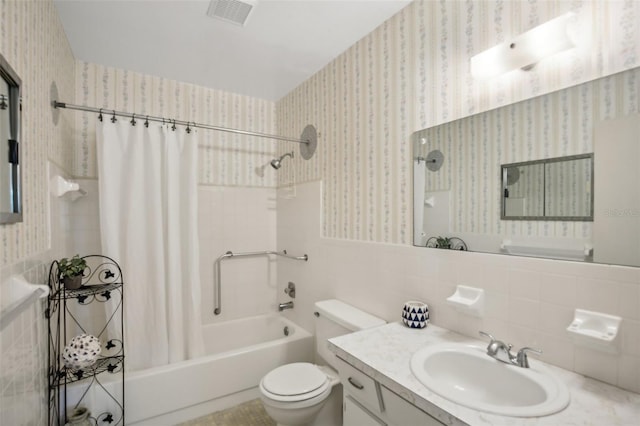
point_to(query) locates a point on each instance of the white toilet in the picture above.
(302, 393)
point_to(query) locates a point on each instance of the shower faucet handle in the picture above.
(291, 290)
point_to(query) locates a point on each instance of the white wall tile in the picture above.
(240, 220)
(524, 283)
(352, 271)
(557, 350)
(524, 312)
(599, 365)
(597, 295)
(558, 289)
(630, 337)
(555, 319)
(629, 373)
(497, 306)
(629, 301)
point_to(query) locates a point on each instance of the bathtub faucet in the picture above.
(283, 306)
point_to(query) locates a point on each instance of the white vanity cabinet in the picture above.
(367, 403)
(354, 414)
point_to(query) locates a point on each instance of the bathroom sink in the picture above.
(466, 375)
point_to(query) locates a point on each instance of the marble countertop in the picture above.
(384, 353)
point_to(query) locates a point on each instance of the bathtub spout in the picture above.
(283, 306)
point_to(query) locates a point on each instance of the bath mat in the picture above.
(250, 413)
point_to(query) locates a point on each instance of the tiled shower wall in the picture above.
(236, 182)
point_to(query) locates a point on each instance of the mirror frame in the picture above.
(503, 174)
(15, 122)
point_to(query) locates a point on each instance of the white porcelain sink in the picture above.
(466, 375)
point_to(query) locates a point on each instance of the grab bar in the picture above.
(217, 296)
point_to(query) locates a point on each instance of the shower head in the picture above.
(276, 163)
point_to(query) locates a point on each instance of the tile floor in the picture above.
(250, 413)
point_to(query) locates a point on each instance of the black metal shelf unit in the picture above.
(102, 282)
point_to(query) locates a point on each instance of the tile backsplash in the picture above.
(529, 301)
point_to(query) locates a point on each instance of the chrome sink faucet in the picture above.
(502, 352)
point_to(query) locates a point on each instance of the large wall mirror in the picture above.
(554, 176)
(10, 118)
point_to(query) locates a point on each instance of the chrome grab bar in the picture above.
(217, 284)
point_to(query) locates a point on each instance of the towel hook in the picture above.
(113, 118)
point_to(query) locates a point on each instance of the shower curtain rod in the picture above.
(189, 124)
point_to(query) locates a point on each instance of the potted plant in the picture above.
(71, 271)
(443, 243)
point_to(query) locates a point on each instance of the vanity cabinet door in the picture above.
(401, 413)
(355, 414)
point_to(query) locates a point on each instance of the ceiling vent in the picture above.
(234, 11)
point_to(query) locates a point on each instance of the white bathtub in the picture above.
(239, 353)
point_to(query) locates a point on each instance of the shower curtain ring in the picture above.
(146, 122)
(174, 125)
(113, 118)
(100, 114)
(133, 120)
(188, 128)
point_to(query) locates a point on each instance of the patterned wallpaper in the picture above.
(225, 158)
(412, 73)
(33, 42)
(554, 125)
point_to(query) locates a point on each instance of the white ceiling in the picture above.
(283, 43)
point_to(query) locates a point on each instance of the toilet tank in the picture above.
(335, 318)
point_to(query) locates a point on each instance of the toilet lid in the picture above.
(294, 379)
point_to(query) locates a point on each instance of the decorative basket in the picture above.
(415, 314)
(81, 352)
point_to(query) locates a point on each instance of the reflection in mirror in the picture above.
(523, 191)
(584, 198)
(10, 190)
(551, 189)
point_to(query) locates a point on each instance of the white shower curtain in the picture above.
(419, 172)
(148, 224)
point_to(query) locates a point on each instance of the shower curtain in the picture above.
(419, 172)
(148, 224)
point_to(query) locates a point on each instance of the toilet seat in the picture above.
(298, 381)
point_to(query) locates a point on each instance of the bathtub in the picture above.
(238, 354)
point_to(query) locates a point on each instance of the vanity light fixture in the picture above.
(524, 51)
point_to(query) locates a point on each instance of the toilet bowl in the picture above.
(294, 394)
(302, 393)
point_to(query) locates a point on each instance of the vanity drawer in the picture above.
(400, 412)
(358, 384)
